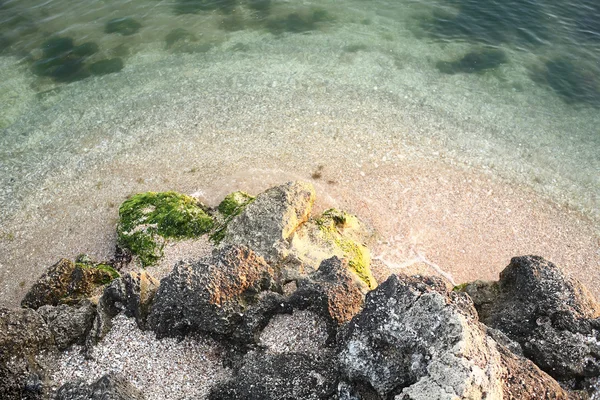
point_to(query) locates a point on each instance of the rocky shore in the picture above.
(289, 305)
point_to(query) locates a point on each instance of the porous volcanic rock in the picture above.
(26, 350)
(131, 294)
(215, 297)
(266, 223)
(112, 386)
(552, 316)
(332, 291)
(69, 324)
(416, 341)
(279, 376)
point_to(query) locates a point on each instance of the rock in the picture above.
(553, 317)
(125, 26)
(69, 324)
(478, 61)
(112, 386)
(107, 66)
(415, 340)
(131, 294)
(26, 350)
(332, 291)
(265, 224)
(221, 297)
(148, 220)
(68, 282)
(279, 376)
(338, 233)
(231, 206)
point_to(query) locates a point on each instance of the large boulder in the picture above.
(68, 282)
(226, 297)
(266, 224)
(69, 324)
(552, 316)
(26, 351)
(416, 341)
(112, 386)
(279, 376)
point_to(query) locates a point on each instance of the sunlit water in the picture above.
(104, 98)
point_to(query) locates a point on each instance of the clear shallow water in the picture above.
(186, 93)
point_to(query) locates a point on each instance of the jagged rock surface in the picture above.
(69, 324)
(66, 282)
(26, 348)
(553, 317)
(332, 291)
(279, 376)
(265, 224)
(110, 387)
(214, 297)
(131, 294)
(416, 341)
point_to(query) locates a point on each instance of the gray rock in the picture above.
(131, 294)
(266, 224)
(553, 317)
(69, 324)
(110, 387)
(279, 376)
(222, 297)
(26, 352)
(416, 341)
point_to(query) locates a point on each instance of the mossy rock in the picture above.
(299, 22)
(338, 233)
(86, 49)
(232, 205)
(148, 219)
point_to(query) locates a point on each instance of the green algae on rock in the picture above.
(335, 232)
(148, 219)
(232, 205)
(67, 282)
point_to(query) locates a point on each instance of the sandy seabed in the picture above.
(461, 171)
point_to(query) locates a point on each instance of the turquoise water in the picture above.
(100, 99)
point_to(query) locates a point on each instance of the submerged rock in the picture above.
(125, 26)
(148, 220)
(218, 297)
(108, 66)
(67, 282)
(553, 317)
(112, 386)
(474, 62)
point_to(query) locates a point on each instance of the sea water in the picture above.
(100, 99)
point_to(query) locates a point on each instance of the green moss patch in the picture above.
(232, 205)
(148, 219)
